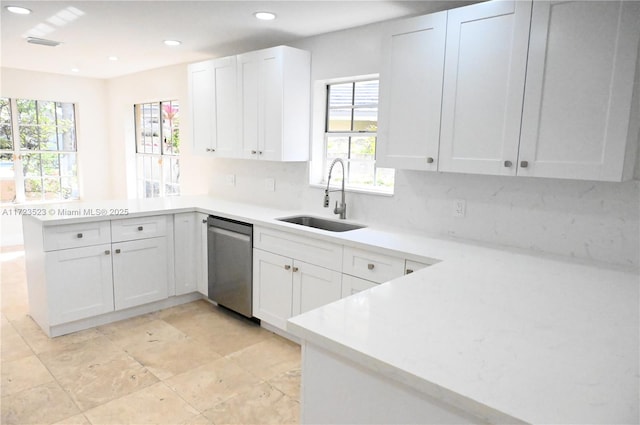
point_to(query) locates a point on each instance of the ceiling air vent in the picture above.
(42, 41)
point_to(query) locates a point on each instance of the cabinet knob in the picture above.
(107, 252)
(524, 164)
(253, 152)
(295, 269)
(140, 228)
(287, 267)
(259, 152)
(208, 150)
(118, 251)
(408, 271)
(204, 220)
(370, 266)
(79, 235)
(429, 160)
(508, 164)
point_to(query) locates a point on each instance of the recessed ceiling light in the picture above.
(265, 16)
(172, 42)
(113, 58)
(75, 70)
(18, 10)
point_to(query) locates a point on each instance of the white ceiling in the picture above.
(134, 31)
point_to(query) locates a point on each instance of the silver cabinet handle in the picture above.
(408, 271)
(79, 235)
(524, 164)
(253, 152)
(429, 160)
(287, 267)
(370, 266)
(508, 164)
(204, 220)
(118, 251)
(210, 150)
(295, 269)
(259, 152)
(107, 252)
(140, 228)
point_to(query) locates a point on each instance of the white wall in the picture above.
(89, 95)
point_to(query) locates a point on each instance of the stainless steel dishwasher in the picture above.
(230, 246)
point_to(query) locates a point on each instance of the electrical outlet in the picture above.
(270, 184)
(230, 179)
(459, 208)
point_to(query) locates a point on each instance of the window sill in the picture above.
(353, 190)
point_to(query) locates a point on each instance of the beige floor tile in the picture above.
(72, 358)
(194, 307)
(168, 358)
(40, 342)
(94, 384)
(74, 420)
(115, 329)
(269, 358)
(155, 404)
(288, 382)
(212, 383)
(46, 403)
(262, 404)
(213, 319)
(146, 334)
(12, 346)
(22, 374)
(198, 420)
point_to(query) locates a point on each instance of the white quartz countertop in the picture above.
(507, 334)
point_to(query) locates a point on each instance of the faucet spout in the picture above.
(342, 209)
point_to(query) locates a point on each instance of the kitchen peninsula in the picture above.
(484, 334)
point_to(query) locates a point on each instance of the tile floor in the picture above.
(191, 364)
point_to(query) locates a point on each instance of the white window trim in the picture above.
(318, 125)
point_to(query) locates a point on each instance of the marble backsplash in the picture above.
(588, 220)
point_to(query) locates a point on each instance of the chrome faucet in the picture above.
(342, 209)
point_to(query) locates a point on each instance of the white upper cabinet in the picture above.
(485, 65)
(411, 93)
(274, 104)
(213, 95)
(578, 98)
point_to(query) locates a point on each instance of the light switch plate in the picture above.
(230, 179)
(270, 184)
(459, 208)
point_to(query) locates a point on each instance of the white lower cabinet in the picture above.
(140, 273)
(314, 286)
(352, 285)
(80, 283)
(272, 287)
(202, 254)
(186, 241)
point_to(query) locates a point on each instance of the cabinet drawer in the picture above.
(320, 253)
(129, 229)
(371, 265)
(411, 266)
(76, 235)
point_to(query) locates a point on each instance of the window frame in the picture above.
(164, 158)
(321, 177)
(18, 153)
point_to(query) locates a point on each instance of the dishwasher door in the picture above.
(230, 246)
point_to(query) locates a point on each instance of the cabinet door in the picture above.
(260, 93)
(140, 272)
(202, 254)
(314, 286)
(213, 94)
(485, 64)
(186, 236)
(272, 288)
(411, 93)
(201, 99)
(582, 59)
(79, 283)
(352, 285)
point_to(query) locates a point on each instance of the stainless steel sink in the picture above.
(321, 223)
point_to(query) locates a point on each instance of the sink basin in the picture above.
(321, 223)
